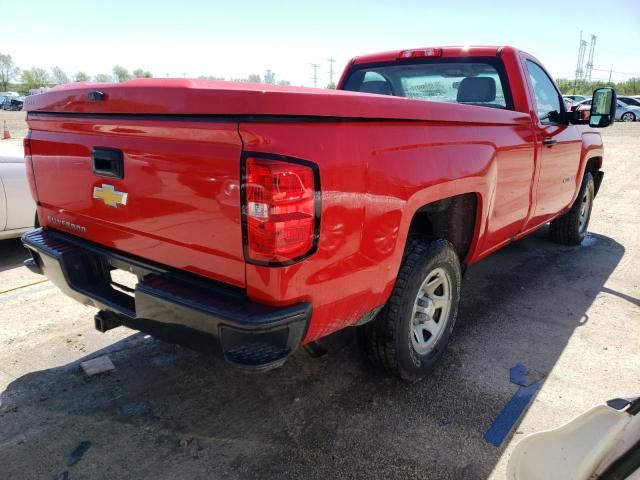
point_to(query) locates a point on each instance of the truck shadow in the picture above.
(167, 412)
(12, 254)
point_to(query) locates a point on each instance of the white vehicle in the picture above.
(17, 209)
(603, 443)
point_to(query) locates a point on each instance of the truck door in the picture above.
(558, 147)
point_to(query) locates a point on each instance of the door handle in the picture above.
(549, 142)
(107, 162)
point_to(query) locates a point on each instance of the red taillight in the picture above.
(281, 209)
(420, 53)
(28, 165)
(26, 143)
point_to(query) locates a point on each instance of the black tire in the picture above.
(571, 228)
(389, 338)
(628, 117)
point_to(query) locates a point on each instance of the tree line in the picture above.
(582, 87)
(13, 78)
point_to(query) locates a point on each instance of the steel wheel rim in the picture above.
(585, 208)
(627, 117)
(431, 310)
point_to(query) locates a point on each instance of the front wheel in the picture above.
(410, 334)
(628, 117)
(571, 228)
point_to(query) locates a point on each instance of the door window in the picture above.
(547, 97)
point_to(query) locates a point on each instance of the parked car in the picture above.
(253, 219)
(576, 98)
(17, 208)
(624, 112)
(631, 101)
(11, 103)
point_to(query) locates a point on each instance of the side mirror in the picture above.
(603, 108)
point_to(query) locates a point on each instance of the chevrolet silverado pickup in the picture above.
(247, 220)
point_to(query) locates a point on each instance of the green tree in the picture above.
(121, 74)
(81, 77)
(8, 71)
(103, 78)
(34, 78)
(140, 73)
(331, 86)
(284, 83)
(254, 77)
(58, 76)
(584, 87)
(210, 77)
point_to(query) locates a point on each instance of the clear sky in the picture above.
(233, 38)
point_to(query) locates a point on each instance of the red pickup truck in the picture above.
(254, 219)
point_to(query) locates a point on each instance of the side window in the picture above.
(547, 97)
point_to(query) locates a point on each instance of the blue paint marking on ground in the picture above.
(518, 375)
(504, 422)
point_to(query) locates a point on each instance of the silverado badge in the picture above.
(109, 195)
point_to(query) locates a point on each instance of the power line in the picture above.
(614, 71)
(315, 74)
(579, 71)
(592, 47)
(331, 62)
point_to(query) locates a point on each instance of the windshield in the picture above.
(469, 81)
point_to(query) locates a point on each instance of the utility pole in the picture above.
(331, 62)
(315, 74)
(592, 47)
(579, 71)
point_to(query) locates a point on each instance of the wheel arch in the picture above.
(594, 166)
(455, 218)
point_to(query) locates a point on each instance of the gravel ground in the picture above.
(571, 315)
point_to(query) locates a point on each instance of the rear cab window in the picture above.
(471, 81)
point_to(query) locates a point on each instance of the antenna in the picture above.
(331, 62)
(315, 74)
(592, 47)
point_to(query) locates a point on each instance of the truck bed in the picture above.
(182, 145)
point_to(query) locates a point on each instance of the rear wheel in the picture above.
(628, 117)
(571, 228)
(410, 334)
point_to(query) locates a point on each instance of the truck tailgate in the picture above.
(180, 176)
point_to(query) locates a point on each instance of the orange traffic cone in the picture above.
(5, 133)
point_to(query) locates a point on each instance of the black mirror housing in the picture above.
(603, 107)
